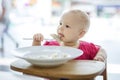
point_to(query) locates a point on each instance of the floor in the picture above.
(111, 46)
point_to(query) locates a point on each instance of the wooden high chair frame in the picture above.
(104, 73)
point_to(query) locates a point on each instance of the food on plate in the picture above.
(50, 56)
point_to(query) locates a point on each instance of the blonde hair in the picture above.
(82, 17)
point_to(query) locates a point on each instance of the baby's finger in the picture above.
(99, 59)
(38, 37)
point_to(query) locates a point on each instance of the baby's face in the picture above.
(69, 28)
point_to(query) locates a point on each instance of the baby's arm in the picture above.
(101, 55)
(37, 38)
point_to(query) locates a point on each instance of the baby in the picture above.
(72, 27)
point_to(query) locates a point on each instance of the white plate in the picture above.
(47, 56)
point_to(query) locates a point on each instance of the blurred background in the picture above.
(28, 17)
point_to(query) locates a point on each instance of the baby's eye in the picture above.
(60, 23)
(67, 26)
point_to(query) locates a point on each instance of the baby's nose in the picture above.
(60, 28)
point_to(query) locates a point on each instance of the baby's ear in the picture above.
(82, 33)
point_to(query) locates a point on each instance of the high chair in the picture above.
(104, 73)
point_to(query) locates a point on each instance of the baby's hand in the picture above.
(101, 55)
(99, 58)
(37, 38)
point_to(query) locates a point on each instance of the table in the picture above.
(73, 70)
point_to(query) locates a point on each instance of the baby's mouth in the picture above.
(60, 35)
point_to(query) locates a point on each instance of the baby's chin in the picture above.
(61, 39)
